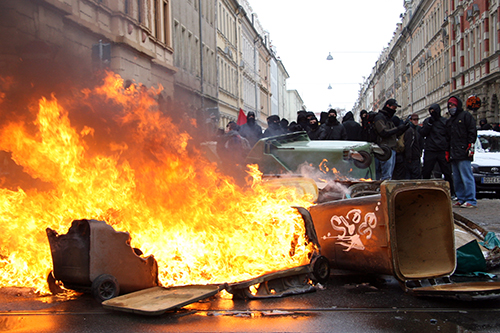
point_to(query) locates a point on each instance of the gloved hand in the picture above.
(447, 156)
(470, 150)
(407, 120)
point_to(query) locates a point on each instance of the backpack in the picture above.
(400, 143)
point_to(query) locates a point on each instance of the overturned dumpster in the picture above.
(286, 153)
(93, 257)
(406, 231)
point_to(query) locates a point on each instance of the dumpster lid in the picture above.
(157, 300)
(475, 290)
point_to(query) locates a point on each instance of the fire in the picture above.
(109, 154)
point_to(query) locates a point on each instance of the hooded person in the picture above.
(251, 130)
(313, 132)
(352, 128)
(483, 125)
(284, 124)
(387, 134)
(433, 131)
(332, 129)
(302, 119)
(235, 147)
(274, 127)
(461, 134)
(323, 117)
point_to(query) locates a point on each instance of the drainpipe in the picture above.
(256, 76)
(201, 56)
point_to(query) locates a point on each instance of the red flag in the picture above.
(242, 119)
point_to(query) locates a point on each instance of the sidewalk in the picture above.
(486, 214)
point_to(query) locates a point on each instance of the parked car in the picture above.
(486, 163)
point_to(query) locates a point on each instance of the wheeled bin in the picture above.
(93, 257)
(406, 231)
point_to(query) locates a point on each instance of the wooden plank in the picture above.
(158, 300)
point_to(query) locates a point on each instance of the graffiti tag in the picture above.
(352, 227)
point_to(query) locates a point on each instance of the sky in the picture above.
(354, 32)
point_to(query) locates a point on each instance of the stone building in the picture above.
(441, 47)
(195, 48)
(212, 57)
(50, 42)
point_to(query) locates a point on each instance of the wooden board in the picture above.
(158, 300)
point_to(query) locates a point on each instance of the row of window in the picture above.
(154, 15)
(228, 76)
(227, 24)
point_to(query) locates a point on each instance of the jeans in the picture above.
(463, 180)
(385, 169)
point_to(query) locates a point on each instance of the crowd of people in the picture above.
(443, 143)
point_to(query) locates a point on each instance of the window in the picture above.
(166, 23)
(140, 11)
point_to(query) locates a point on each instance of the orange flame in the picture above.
(110, 154)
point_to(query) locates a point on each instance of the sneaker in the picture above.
(468, 205)
(454, 198)
(457, 204)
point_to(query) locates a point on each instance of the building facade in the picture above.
(45, 41)
(194, 43)
(441, 48)
(212, 57)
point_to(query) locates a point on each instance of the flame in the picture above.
(109, 153)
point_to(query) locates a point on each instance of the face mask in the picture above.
(251, 120)
(452, 111)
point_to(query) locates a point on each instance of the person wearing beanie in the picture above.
(387, 134)
(273, 127)
(332, 129)
(251, 130)
(461, 134)
(435, 144)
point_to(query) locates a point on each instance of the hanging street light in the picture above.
(329, 56)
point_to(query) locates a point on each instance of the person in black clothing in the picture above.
(483, 125)
(302, 119)
(274, 127)
(352, 128)
(314, 130)
(399, 172)
(323, 117)
(294, 127)
(414, 143)
(461, 133)
(284, 124)
(368, 132)
(332, 129)
(435, 144)
(387, 134)
(251, 130)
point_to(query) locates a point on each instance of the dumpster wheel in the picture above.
(320, 267)
(105, 287)
(54, 285)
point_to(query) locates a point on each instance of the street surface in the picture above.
(348, 303)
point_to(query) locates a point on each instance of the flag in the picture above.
(242, 119)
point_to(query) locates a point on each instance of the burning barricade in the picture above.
(115, 157)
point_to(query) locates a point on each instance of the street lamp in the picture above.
(329, 86)
(329, 56)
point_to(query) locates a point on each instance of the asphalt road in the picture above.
(348, 303)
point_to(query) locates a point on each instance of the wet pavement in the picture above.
(348, 303)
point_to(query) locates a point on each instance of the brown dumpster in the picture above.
(93, 257)
(406, 231)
